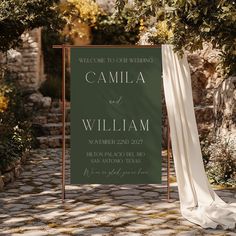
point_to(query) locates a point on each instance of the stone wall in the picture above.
(214, 97)
(225, 109)
(27, 61)
(206, 76)
(12, 171)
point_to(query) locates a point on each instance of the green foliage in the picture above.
(15, 125)
(111, 29)
(220, 160)
(106, 28)
(17, 16)
(150, 12)
(207, 21)
(79, 11)
(192, 23)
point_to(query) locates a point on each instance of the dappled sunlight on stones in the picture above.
(73, 187)
(48, 206)
(32, 205)
(35, 233)
(164, 205)
(128, 234)
(125, 192)
(139, 205)
(96, 231)
(130, 197)
(152, 221)
(101, 208)
(147, 212)
(17, 220)
(80, 207)
(84, 217)
(161, 232)
(105, 218)
(49, 215)
(137, 227)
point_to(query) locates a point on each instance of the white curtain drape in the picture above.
(199, 203)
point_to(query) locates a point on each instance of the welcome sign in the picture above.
(116, 115)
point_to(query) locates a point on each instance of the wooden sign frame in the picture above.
(64, 48)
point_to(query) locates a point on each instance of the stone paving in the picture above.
(32, 205)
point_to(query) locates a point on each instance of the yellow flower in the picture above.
(88, 10)
(78, 13)
(163, 31)
(141, 23)
(3, 103)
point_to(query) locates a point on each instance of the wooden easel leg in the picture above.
(63, 122)
(168, 161)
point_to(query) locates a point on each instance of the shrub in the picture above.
(15, 125)
(219, 157)
(111, 30)
(22, 15)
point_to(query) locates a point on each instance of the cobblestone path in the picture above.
(32, 205)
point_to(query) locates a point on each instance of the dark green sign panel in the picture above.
(115, 115)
